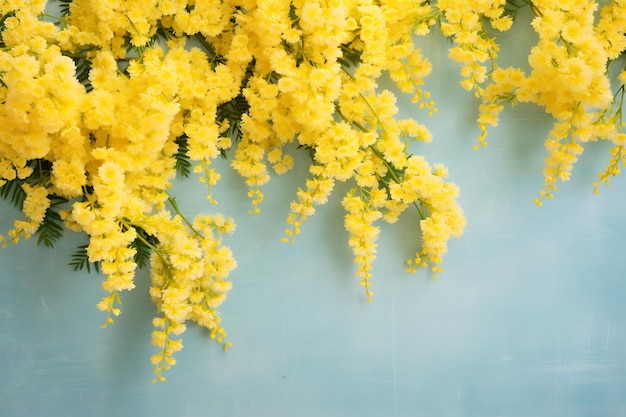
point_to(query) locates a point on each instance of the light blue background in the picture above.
(527, 320)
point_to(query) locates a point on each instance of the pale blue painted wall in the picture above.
(528, 319)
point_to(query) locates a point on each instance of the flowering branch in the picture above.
(102, 107)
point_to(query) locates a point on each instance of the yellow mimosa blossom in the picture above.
(34, 207)
(358, 221)
(568, 79)
(464, 23)
(104, 105)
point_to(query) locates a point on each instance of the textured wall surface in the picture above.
(528, 318)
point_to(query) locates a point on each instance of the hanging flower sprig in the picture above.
(569, 77)
(104, 104)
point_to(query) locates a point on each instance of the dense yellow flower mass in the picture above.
(104, 103)
(572, 79)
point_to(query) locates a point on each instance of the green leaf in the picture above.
(52, 228)
(511, 7)
(83, 67)
(183, 163)
(309, 149)
(232, 111)
(64, 7)
(13, 192)
(42, 172)
(2, 26)
(142, 256)
(351, 56)
(161, 35)
(80, 260)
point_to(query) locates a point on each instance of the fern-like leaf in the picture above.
(80, 260)
(351, 57)
(51, 229)
(183, 163)
(2, 26)
(161, 35)
(42, 172)
(142, 245)
(64, 7)
(232, 111)
(13, 192)
(83, 67)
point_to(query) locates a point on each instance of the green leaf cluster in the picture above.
(183, 163)
(143, 244)
(80, 260)
(51, 228)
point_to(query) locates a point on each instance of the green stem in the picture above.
(174, 205)
(51, 16)
(208, 48)
(150, 245)
(347, 73)
(145, 242)
(390, 167)
(394, 176)
(534, 8)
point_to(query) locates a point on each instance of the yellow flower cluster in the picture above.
(108, 147)
(355, 134)
(464, 22)
(570, 79)
(104, 104)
